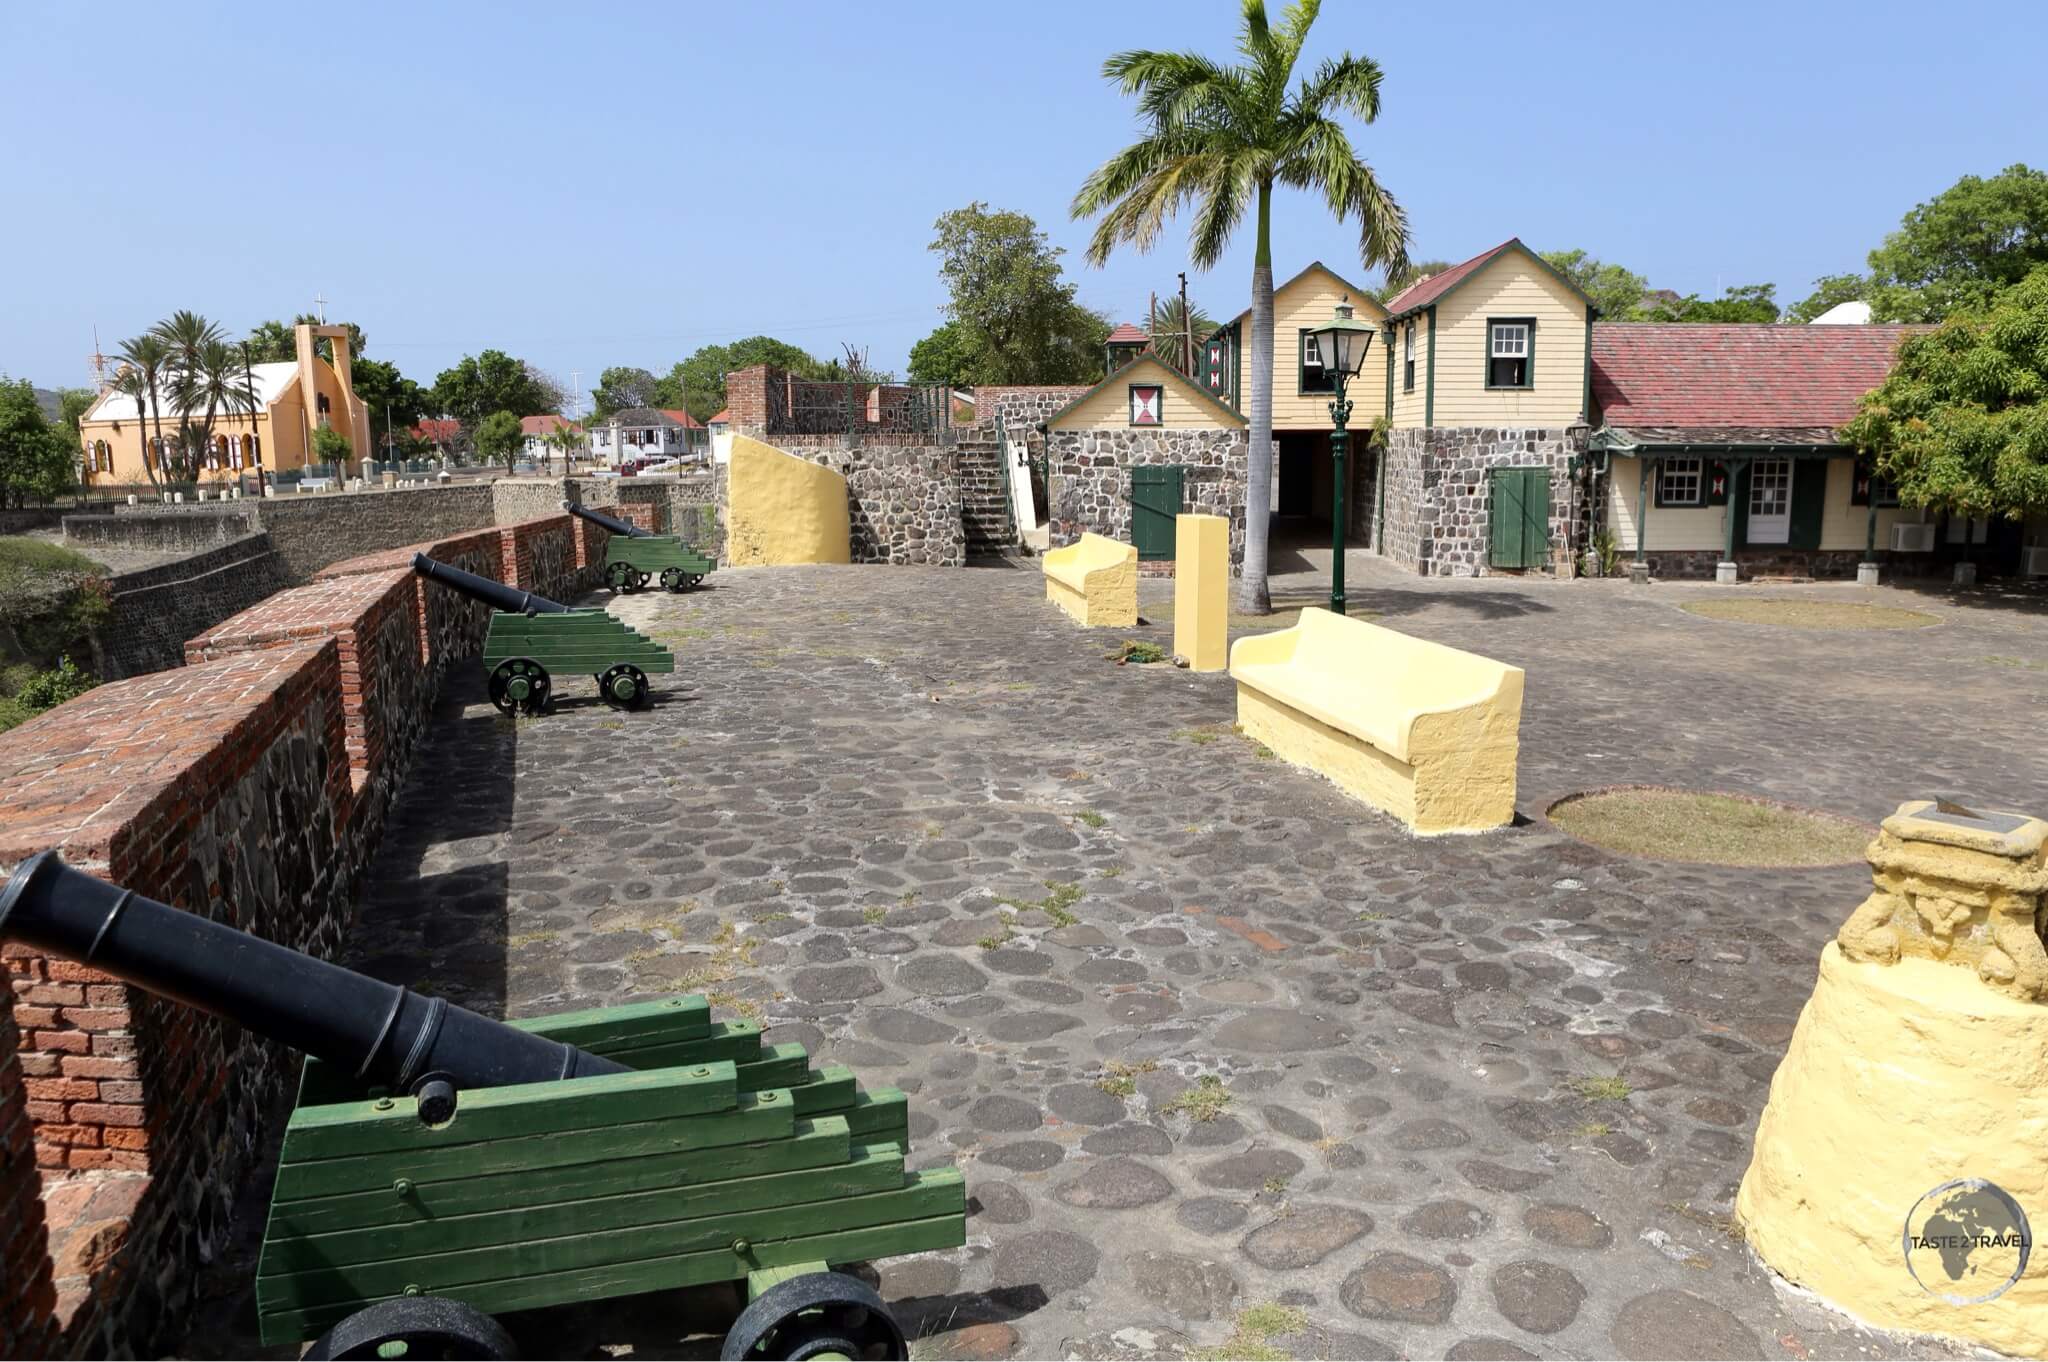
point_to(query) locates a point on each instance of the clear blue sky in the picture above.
(619, 183)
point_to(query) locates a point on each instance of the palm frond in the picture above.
(1347, 83)
(1320, 158)
(1227, 189)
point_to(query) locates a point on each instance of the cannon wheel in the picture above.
(820, 1314)
(675, 579)
(416, 1327)
(640, 579)
(520, 685)
(623, 686)
(696, 580)
(621, 578)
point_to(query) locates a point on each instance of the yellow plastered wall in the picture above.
(1201, 586)
(1310, 301)
(1843, 526)
(781, 509)
(1179, 408)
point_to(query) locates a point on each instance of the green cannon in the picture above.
(532, 640)
(439, 1167)
(633, 556)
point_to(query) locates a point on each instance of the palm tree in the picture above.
(222, 382)
(188, 335)
(1220, 137)
(148, 359)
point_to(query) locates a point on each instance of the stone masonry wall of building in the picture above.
(154, 610)
(28, 1292)
(903, 501)
(162, 529)
(1439, 493)
(259, 807)
(1091, 480)
(1022, 409)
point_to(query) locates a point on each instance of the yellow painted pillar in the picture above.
(1900, 1165)
(1201, 591)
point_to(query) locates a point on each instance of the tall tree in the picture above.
(498, 436)
(619, 389)
(490, 382)
(1218, 139)
(1961, 423)
(72, 405)
(394, 402)
(1956, 251)
(147, 360)
(37, 462)
(274, 342)
(1008, 297)
(1169, 328)
(1616, 291)
(1830, 290)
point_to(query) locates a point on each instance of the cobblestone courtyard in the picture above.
(1203, 1033)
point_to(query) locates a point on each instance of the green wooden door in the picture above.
(1518, 518)
(1809, 502)
(1155, 501)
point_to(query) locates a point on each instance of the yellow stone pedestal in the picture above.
(781, 509)
(1201, 591)
(1920, 1059)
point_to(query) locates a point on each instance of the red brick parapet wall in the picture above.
(249, 785)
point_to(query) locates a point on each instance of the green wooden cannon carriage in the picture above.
(534, 640)
(718, 1159)
(633, 556)
(440, 1166)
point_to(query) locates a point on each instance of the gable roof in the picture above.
(1127, 334)
(1424, 292)
(545, 425)
(1674, 382)
(724, 417)
(647, 418)
(272, 382)
(1174, 379)
(682, 418)
(1359, 295)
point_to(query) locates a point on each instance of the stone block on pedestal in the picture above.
(1727, 574)
(1866, 574)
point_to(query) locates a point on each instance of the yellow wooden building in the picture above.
(292, 398)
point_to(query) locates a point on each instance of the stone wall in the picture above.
(1022, 409)
(1820, 564)
(249, 786)
(903, 500)
(308, 532)
(1091, 481)
(156, 609)
(1439, 490)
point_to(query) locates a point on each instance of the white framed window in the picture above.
(1408, 358)
(1315, 376)
(1682, 483)
(1510, 352)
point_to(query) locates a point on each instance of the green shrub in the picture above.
(29, 692)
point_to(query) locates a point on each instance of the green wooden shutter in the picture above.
(1155, 502)
(1809, 502)
(1504, 518)
(1535, 513)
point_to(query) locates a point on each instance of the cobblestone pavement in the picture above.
(1253, 1044)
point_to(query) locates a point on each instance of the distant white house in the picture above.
(1845, 314)
(537, 429)
(648, 433)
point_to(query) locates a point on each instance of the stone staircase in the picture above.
(984, 507)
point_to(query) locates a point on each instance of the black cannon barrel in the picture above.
(510, 599)
(603, 521)
(384, 1034)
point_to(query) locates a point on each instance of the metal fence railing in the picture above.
(813, 407)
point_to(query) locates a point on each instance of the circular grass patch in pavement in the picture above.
(1805, 612)
(1703, 828)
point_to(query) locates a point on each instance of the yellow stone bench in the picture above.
(1425, 732)
(1095, 580)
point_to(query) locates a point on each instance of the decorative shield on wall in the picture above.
(1146, 401)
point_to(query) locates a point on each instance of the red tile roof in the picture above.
(1665, 375)
(1127, 334)
(544, 425)
(1426, 291)
(724, 417)
(681, 418)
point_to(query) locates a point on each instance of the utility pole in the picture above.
(1187, 329)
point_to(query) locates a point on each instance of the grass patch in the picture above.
(1135, 650)
(1611, 1089)
(612, 723)
(1708, 829)
(1091, 818)
(1121, 1080)
(1055, 905)
(1264, 753)
(1200, 737)
(1592, 1130)
(530, 939)
(873, 916)
(1111, 872)
(1251, 1333)
(1804, 612)
(1203, 1102)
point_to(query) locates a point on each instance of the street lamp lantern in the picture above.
(1341, 344)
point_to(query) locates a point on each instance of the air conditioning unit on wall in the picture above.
(2034, 561)
(1912, 539)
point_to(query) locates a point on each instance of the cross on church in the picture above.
(320, 302)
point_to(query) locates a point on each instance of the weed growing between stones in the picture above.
(1203, 1102)
(1611, 1089)
(1250, 1333)
(873, 915)
(1120, 1079)
(1054, 905)
(1133, 650)
(1091, 818)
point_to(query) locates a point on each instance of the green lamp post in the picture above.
(1341, 344)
